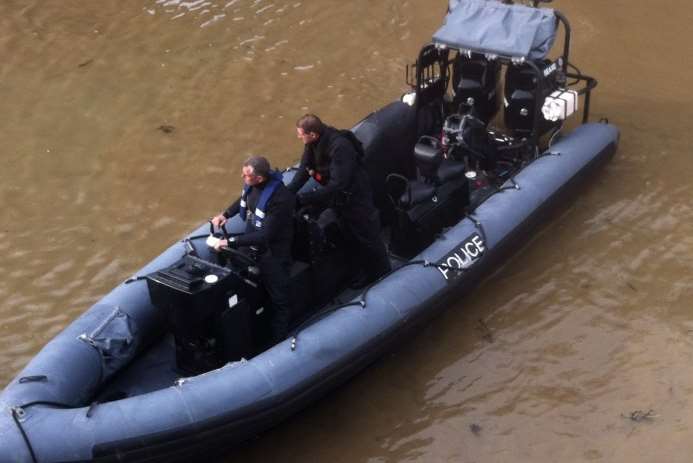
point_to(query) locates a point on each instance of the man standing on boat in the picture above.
(333, 158)
(267, 208)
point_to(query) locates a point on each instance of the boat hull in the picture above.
(220, 408)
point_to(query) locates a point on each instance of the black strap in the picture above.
(134, 279)
(358, 146)
(32, 379)
(91, 408)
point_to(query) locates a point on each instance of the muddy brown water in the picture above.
(556, 357)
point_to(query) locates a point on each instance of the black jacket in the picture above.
(277, 230)
(336, 158)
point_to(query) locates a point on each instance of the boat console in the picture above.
(215, 314)
(217, 308)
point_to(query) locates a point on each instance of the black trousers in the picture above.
(361, 221)
(275, 278)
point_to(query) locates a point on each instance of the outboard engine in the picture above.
(521, 93)
(475, 83)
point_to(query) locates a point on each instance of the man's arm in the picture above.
(302, 175)
(220, 219)
(232, 209)
(343, 164)
(279, 215)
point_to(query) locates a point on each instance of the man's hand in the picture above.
(218, 220)
(221, 244)
(229, 243)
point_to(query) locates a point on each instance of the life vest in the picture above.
(259, 215)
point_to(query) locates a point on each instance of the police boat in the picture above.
(175, 362)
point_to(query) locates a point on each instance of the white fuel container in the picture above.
(560, 104)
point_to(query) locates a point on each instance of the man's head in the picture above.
(256, 169)
(309, 128)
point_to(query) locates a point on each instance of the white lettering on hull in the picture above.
(463, 256)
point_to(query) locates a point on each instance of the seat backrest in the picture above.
(475, 80)
(388, 137)
(428, 154)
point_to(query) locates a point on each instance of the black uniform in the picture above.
(273, 240)
(335, 162)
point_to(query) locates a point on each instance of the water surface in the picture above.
(124, 125)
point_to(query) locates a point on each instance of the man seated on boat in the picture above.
(334, 159)
(267, 207)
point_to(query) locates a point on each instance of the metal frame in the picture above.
(421, 75)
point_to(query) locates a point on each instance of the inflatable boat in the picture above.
(176, 361)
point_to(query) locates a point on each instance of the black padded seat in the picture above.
(417, 193)
(428, 155)
(450, 169)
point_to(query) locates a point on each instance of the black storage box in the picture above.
(195, 295)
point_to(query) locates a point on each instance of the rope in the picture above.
(513, 185)
(555, 133)
(319, 316)
(550, 153)
(479, 226)
(362, 301)
(577, 70)
(16, 414)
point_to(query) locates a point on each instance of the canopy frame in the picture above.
(431, 72)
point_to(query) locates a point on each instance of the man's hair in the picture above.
(310, 123)
(260, 165)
